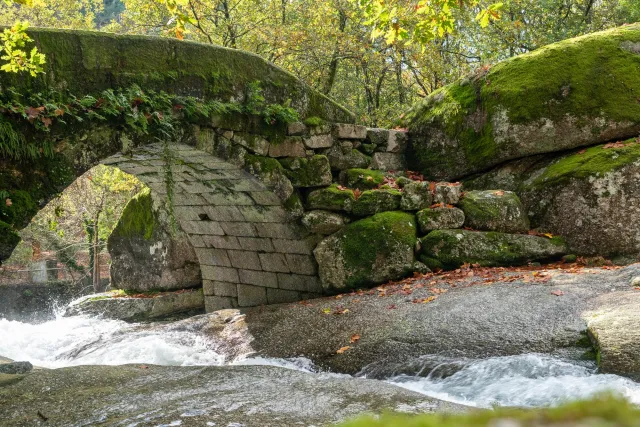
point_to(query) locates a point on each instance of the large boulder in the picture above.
(367, 252)
(590, 197)
(453, 248)
(575, 93)
(494, 210)
(147, 253)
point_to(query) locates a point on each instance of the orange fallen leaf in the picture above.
(144, 367)
(499, 193)
(355, 338)
(343, 349)
(557, 293)
(8, 202)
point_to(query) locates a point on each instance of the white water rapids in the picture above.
(524, 380)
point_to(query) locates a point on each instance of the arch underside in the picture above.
(249, 249)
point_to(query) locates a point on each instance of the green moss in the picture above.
(601, 411)
(314, 121)
(313, 171)
(331, 198)
(294, 203)
(586, 78)
(364, 179)
(138, 219)
(368, 240)
(594, 161)
(372, 202)
(262, 164)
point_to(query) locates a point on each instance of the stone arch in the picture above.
(249, 250)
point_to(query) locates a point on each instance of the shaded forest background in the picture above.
(329, 43)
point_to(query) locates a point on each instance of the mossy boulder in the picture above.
(147, 252)
(333, 198)
(368, 252)
(364, 179)
(439, 219)
(17, 208)
(590, 197)
(494, 210)
(574, 93)
(314, 171)
(452, 248)
(374, 201)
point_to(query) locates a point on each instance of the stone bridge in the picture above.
(260, 189)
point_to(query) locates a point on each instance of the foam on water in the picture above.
(80, 340)
(523, 380)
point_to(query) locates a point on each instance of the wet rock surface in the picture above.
(154, 395)
(514, 315)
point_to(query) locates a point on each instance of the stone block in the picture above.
(247, 260)
(296, 282)
(263, 213)
(447, 193)
(208, 256)
(221, 242)
(256, 244)
(280, 296)
(251, 296)
(243, 229)
(202, 227)
(416, 195)
(342, 159)
(274, 262)
(197, 241)
(302, 264)
(258, 278)
(350, 131)
(319, 141)
(298, 246)
(223, 213)
(323, 222)
(265, 198)
(221, 289)
(377, 136)
(222, 274)
(439, 219)
(388, 162)
(290, 147)
(314, 171)
(296, 129)
(372, 202)
(281, 231)
(215, 303)
(254, 143)
(227, 198)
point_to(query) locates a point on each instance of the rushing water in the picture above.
(524, 380)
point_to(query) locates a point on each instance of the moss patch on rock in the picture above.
(364, 179)
(494, 210)
(489, 249)
(138, 219)
(314, 171)
(8, 240)
(569, 94)
(369, 251)
(374, 201)
(331, 198)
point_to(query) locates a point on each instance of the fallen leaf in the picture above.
(144, 367)
(8, 202)
(499, 193)
(326, 310)
(355, 338)
(557, 293)
(343, 349)
(582, 151)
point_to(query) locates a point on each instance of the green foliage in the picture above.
(13, 43)
(141, 112)
(602, 411)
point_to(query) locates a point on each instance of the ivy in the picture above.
(139, 111)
